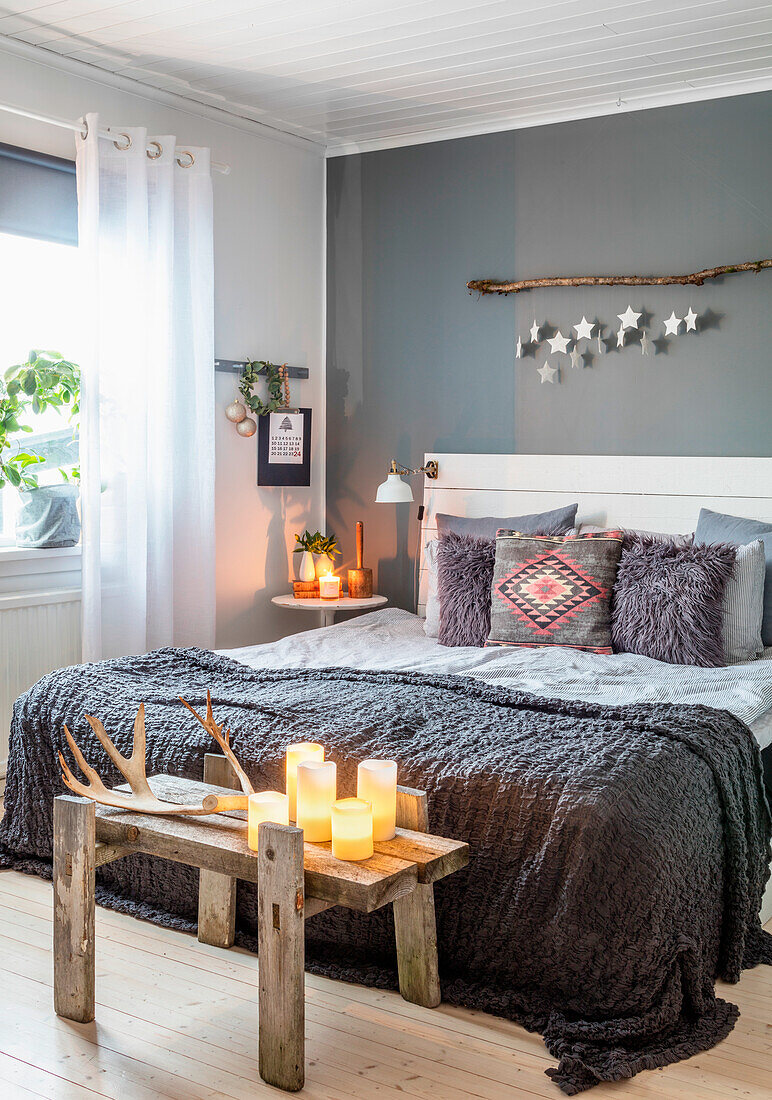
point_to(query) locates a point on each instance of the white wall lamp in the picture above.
(396, 491)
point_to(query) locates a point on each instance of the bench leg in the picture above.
(216, 909)
(415, 927)
(281, 956)
(415, 930)
(216, 892)
(74, 843)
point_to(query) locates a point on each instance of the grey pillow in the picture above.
(432, 608)
(668, 601)
(716, 527)
(557, 522)
(744, 605)
(679, 540)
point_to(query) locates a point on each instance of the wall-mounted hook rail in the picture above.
(236, 366)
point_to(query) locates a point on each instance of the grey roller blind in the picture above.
(37, 195)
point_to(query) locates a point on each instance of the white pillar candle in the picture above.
(329, 587)
(317, 784)
(377, 784)
(352, 829)
(265, 806)
(302, 750)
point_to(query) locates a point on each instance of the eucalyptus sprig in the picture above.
(317, 543)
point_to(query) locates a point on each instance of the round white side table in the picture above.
(329, 607)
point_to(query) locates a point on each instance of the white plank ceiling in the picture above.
(362, 74)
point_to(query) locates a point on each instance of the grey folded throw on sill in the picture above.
(619, 854)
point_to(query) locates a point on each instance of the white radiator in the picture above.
(39, 631)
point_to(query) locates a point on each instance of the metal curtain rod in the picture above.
(77, 128)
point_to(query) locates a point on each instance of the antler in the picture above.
(222, 739)
(142, 800)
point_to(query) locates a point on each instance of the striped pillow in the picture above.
(743, 607)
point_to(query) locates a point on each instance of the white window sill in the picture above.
(25, 571)
(22, 553)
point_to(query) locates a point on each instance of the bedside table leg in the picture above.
(328, 618)
(74, 862)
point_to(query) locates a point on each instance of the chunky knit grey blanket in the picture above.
(619, 854)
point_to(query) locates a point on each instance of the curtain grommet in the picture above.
(123, 148)
(159, 150)
(84, 132)
(186, 153)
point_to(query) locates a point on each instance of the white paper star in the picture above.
(629, 318)
(559, 342)
(519, 352)
(576, 358)
(691, 320)
(535, 332)
(547, 372)
(671, 324)
(645, 345)
(584, 329)
(621, 336)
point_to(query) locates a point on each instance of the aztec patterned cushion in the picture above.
(550, 590)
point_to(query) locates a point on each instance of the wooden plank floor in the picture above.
(177, 1019)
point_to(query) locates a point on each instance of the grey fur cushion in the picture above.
(668, 601)
(464, 577)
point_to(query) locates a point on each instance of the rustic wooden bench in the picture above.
(295, 881)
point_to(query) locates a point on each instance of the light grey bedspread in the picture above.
(395, 639)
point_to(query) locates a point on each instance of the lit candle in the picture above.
(377, 784)
(329, 587)
(316, 793)
(303, 750)
(352, 829)
(265, 806)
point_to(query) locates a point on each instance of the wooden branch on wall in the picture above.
(697, 278)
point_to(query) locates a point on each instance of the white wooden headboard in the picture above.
(657, 494)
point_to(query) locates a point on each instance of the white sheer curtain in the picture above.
(147, 439)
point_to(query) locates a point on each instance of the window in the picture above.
(40, 302)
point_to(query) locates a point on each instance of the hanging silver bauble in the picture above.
(246, 427)
(236, 412)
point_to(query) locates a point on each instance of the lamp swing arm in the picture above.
(430, 469)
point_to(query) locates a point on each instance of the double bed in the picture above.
(614, 805)
(393, 639)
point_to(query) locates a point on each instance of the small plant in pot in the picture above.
(319, 546)
(49, 513)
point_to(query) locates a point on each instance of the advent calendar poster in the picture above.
(285, 438)
(284, 448)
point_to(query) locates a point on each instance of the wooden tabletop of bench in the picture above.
(218, 842)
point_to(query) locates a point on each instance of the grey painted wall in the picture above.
(417, 364)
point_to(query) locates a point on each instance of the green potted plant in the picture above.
(49, 513)
(319, 546)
